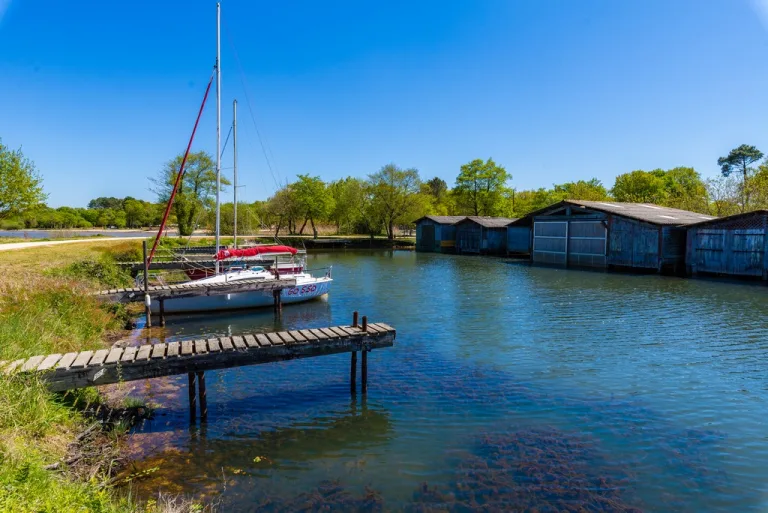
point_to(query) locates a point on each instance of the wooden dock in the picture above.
(192, 289)
(90, 368)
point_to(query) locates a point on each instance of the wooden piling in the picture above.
(147, 310)
(354, 319)
(364, 372)
(162, 312)
(203, 399)
(353, 373)
(192, 401)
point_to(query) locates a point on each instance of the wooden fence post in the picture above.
(147, 300)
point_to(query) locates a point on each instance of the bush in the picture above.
(103, 271)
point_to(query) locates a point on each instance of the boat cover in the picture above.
(254, 251)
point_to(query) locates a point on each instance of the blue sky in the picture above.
(101, 94)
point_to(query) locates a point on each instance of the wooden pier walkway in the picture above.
(192, 289)
(89, 368)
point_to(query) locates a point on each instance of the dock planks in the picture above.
(105, 366)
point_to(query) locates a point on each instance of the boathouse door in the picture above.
(550, 242)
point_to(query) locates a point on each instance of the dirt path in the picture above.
(37, 244)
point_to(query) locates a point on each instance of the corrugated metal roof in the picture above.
(645, 212)
(490, 222)
(734, 217)
(442, 219)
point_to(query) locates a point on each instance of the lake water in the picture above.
(509, 386)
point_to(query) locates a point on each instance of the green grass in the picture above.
(45, 308)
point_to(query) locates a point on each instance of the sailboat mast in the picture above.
(234, 172)
(218, 130)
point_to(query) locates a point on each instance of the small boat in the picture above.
(251, 263)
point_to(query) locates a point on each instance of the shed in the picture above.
(736, 245)
(604, 234)
(519, 237)
(436, 233)
(486, 235)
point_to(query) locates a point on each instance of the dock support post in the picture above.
(192, 406)
(203, 399)
(364, 364)
(147, 299)
(354, 319)
(353, 373)
(162, 312)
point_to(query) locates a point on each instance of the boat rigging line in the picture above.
(244, 83)
(181, 171)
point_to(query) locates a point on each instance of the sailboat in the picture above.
(307, 287)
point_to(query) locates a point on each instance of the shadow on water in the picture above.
(509, 388)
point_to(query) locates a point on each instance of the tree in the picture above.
(480, 188)
(640, 187)
(593, 190)
(312, 200)
(21, 186)
(195, 193)
(394, 195)
(349, 196)
(106, 202)
(685, 189)
(723, 193)
(283, 206)
(739, 159)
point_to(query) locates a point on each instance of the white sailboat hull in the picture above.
(303, 291)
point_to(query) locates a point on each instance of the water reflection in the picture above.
(654, 385)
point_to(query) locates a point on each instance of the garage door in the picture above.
(587, 243)
(549, 242)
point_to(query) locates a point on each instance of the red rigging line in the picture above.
(181, 173)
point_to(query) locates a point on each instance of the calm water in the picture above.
(509, 386)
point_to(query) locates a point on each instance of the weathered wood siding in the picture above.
(495, 240)
(519, 240)
(733, 247)
(435, 237)
(633, 244)
(469, 237)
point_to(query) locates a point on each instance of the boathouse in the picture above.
(606, 234)
(482, 235)
(736, 245)
(519, 237)
(436, 233)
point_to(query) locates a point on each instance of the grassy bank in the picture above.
(44, 308)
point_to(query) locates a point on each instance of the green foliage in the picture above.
(195, 192)
(480, 188)
(639, 187)
(740, 159)
(21, 186)
(592, 190)
(350, 205)
(312, 200)
(103, 272)
(395, 197)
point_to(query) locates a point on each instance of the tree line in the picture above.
(383, 202)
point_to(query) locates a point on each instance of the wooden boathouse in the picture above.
(736, 245)
(436, 233)
(482, 235)
(609, 234)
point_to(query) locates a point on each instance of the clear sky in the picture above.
(100, 94)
